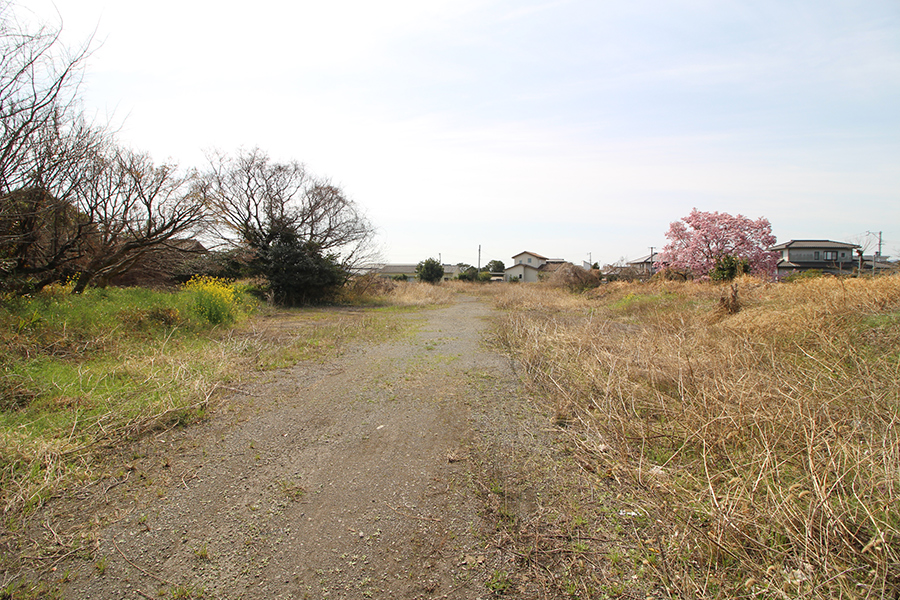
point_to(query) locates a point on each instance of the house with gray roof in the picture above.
(825, 255)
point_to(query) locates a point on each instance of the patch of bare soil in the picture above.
(378, 474)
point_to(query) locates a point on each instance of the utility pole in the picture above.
(479, 257)
(651, 259)
(879, 241)
(877, 254)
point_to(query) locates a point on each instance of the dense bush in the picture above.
(802, 275)
(728, 267)
(296, 270)
(429, 271)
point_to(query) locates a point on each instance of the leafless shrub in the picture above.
(574, 278)
(365, 289)
(729, 302)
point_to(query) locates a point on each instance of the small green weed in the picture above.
(100, 565)
(201, 552)
(499, 583)
(184, 592)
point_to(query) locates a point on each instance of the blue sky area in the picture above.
(574, 129)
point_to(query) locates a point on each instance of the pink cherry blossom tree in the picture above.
(697, 240)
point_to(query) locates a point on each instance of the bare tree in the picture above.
(38, 84)
(133, 207)
(41, 226)
(255, 200)
(71, 200)
(335, 223)
(38, 132)
(250, 197)
(94, 210)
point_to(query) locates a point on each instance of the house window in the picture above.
(829, 255)
(529, 261)
(816, 255)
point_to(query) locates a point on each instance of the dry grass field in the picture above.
(706, 441)
(756, 427)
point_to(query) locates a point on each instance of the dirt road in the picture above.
(345, 479)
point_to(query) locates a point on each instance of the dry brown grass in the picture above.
(421, 294)
(374, 290)
(764, 445)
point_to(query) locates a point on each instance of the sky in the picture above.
(576, 129)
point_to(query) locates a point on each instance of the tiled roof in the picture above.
(534, 254)
(397, 269)
(526, 265)
(645, 259)
(814, 244)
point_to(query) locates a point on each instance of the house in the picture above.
(451, 272)
(397, 271)
(825, 255)
(643, 266)
(525, 267)
(531, 267)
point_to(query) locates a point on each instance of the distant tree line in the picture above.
(76, 204)
(431, 271)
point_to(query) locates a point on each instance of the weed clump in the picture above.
(215, 299)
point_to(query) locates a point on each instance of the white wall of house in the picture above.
(523, 272)
(527, 258)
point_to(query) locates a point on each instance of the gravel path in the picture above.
(345, 479)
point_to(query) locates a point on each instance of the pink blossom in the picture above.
(696, 241)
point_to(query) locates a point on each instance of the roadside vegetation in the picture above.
(737, 441)
(83, 373)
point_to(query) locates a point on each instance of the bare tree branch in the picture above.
(255, 199)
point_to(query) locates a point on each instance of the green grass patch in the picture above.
(86, 371)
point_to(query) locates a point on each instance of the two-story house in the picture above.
(525, 267)
(531, 266)
(826, 255)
